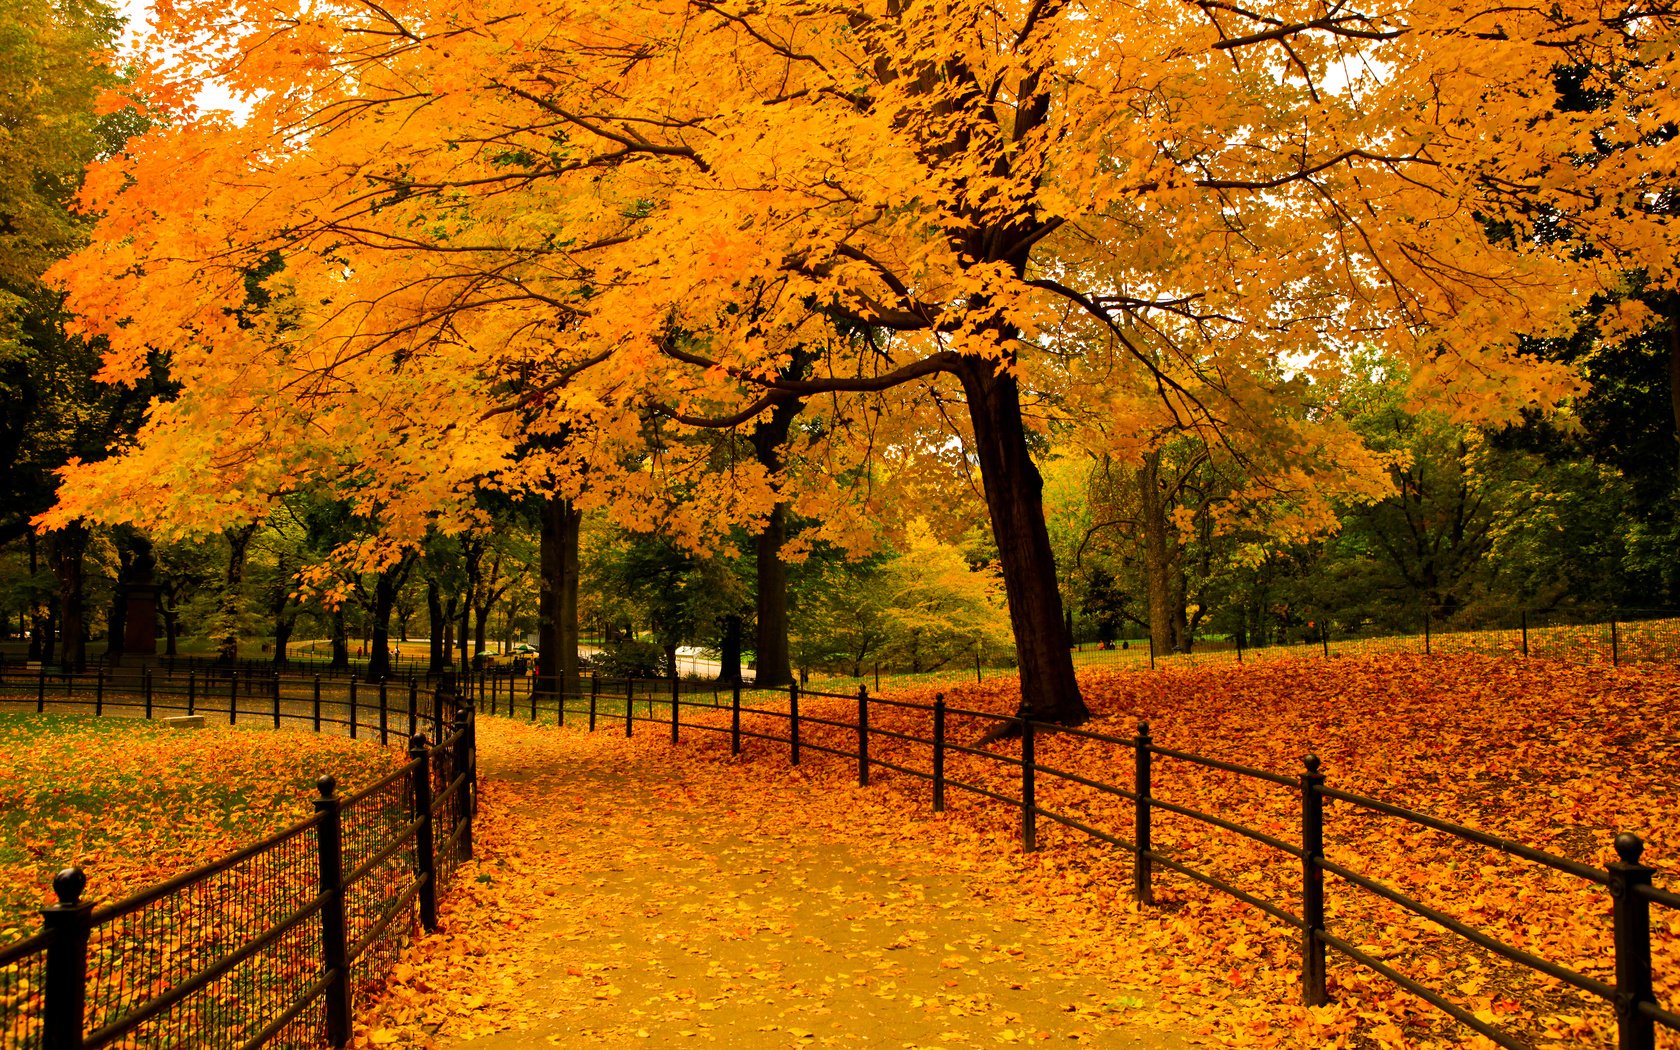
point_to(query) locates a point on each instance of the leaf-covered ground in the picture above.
(623, 901)
(135, 802)
(1557, 756)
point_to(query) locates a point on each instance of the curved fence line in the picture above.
(1628, 881)
(276, 944)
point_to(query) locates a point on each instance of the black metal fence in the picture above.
(276, 944)
(921, 739)
(1613, 637)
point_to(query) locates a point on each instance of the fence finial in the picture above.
(1629, 846)
(68, 885)
(1311, 762)
(326, 784)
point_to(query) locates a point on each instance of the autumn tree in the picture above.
(568, 213)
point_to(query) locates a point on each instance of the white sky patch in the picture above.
(137, 16)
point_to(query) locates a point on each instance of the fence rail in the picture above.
(277, 943)
(851, 734)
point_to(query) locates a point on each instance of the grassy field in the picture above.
(135, 802)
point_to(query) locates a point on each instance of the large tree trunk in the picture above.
(282, 639)
(1014, 496)
(1157, 554)
(116, 621)
(385, 588)
(557, 596)
(466, 623)
(434, 614)
(340, 642)
(231, 601)
(771, 645)
(379, 654)
(729, 651)
(68, 548)
(170, 616)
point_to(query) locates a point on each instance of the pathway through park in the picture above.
(631, 895)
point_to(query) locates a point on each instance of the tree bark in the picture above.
(379, 652)
(1014, 496)
(340, 642)
(170, 616)
(230, 601)
(771, 644)
(1157, 556)
(282, 639)
(466, 622)
(557, 596)
(68, 549)
(434, 614)
(729, 651)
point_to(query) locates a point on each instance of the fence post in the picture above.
(863, 736)
(335, 938)
(1152, 652)
(66, 979)
(1143, 890)
(977, 679)
(1524, 615)
(1313, 991)
(466, 761)
(192, 691)
(560, 700)
(146, 681)
(233, 698)
(315, 703)
(793, 723)
(1239, 650)
(1426, 630)
(352, 707)
(939, 752)
(1631, 922)
(495, 682)
(99, 690)
(425, 857)
(414, 706)
(385, 713)
(275, 685)
(1029, 803)
(735, 719)
(594, 693)
(41, 690)
(559, 686)
(1324, 637)
(1615, 648)
(629, 704)
(676, 697)
(437, 707)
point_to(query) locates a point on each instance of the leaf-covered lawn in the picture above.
(135, 802)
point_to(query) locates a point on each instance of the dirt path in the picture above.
(696, 903)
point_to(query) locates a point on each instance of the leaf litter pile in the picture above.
(1555, 756)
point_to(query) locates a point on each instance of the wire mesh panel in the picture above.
(214, 958)
(448, 810)
(381, 913)
(23, 981)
